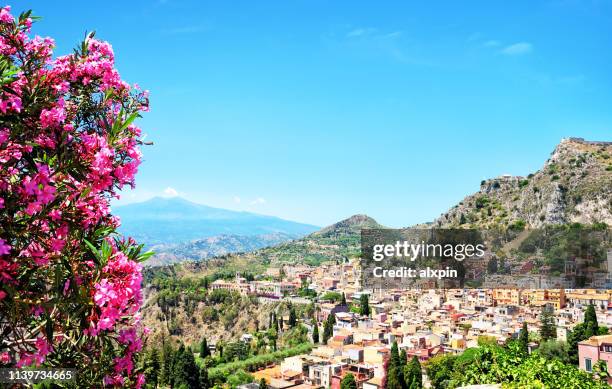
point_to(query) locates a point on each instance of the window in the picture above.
(607, 348)
(587, 364)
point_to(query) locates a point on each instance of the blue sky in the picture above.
(317, 110)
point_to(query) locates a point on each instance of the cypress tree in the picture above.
(185, 370)
(413, 374)
(204, 351)
(395, 374)
(292, 317)
(152, 367)
(403, 358)
(524, 338)
(343, 302)
(364, 308)
(165, 376)
(328, 327)
(315, 333)
(590, 321)
(395, 357)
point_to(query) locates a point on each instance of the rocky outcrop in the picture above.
(574, 185)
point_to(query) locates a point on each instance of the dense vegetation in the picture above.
(552, 365)
(510, 365)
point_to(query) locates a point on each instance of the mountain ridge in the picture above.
(176, 220)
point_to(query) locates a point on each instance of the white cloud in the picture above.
(491, 43)
(360, 32)
(394, 34)
(170, 192)
(259, 200)
(237, 199)
(518, 49)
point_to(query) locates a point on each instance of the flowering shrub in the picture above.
(69, 285)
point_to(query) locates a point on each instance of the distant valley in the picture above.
(178, 229)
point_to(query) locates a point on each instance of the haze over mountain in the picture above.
(176, 220)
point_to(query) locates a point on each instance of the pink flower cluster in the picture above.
(63, 155)
(118, 293)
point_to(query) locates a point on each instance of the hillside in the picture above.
(176, 220)
(574, 185)
(214, 246)
(335, 242)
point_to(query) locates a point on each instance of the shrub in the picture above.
(69, 284)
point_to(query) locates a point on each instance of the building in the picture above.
(506, 297)
(596, 348)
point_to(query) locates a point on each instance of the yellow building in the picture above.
(541, 297)
(506, 296)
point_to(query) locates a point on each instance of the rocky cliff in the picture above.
(574, 185)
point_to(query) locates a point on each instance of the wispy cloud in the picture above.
(258, 201)
(492, 43)
(394, 34)
(170, 192)
(519, 48)
(373, 33)
(359, 32)
(237, 199)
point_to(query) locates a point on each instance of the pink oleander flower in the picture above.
(61, 161)
(5, 357)
(4, 247)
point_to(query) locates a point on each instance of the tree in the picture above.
(403, 358)
(343, 301)
(583, 331)
(440, 369)
(152, 367)
(68, 145)
(165, 376)
(413, 375)
(364, 305)
(328, 327)
(548, 328)
(492, 266)
(590, 321)
(348, 382)
(262, 384)
(203, 378)
(292, 317)
(395, 356)
(395, 373)
(524, 338)
(185, 370)
(553, 349)
(204, 350)
(315, 333)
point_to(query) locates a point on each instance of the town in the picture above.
(422, 323)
